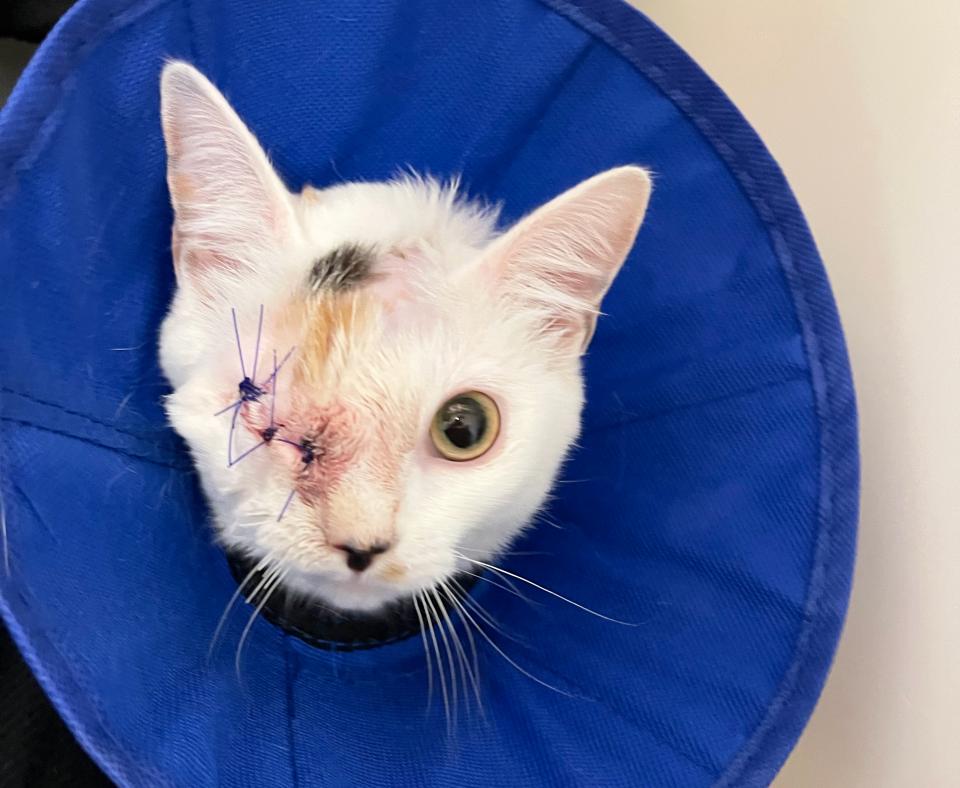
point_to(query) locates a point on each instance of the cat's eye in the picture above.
(465, 426)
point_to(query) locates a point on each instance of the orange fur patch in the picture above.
(333, 322)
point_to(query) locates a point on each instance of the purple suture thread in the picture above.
(273, 398)
(236, 332)
(286, 504)
(230, 406)
(249, 451)
(278, 368)
(307, 449)
(256, 352)
(251, 392)
(260, 388)
(233, 427)
(269, 433)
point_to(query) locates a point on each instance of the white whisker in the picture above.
(426, 650)
(511, 589)
(488, 619)
(274, 581)
(440, 672)
(541, 517)
(498, 570)
(236, 594)
(473, 673)
(503, 654)
(516, 590)
(515, 553)
(466, 675)
(432, 601)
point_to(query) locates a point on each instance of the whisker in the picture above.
(542, 517)
(426, 650)
(226, 611)
(440, 671)
(485, 616)
(474, 674)
(457, 645)
(515, 553)
(514, 588)
(274, 581)
(434, 604)
(498, 570)
(236, 332)
(510, 589)
(256, 352)
(503, 654)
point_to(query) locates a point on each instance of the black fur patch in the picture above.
(344, 268)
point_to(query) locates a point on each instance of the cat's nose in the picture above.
(359, 558)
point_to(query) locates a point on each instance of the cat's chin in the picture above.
(359, 593)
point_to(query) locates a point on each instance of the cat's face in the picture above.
(410, 381)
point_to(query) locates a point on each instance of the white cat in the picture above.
(396, 384)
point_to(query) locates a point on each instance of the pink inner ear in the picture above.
(569, 250)
(232, 210)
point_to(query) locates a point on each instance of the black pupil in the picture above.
(463, 421)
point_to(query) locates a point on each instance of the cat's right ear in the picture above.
(232, 210)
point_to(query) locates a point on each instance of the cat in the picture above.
(377, 386)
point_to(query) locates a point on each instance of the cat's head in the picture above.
(395, 384)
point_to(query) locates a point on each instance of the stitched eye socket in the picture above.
(465, 426)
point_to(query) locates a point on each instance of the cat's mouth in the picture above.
(330, 628)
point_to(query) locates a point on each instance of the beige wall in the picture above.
(859, 100)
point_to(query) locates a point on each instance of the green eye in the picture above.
(465, 426)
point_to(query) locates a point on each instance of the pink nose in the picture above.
(359, 558)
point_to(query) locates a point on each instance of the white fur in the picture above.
(507, 315)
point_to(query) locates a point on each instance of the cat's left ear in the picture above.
(232, 210)
(560, 261)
